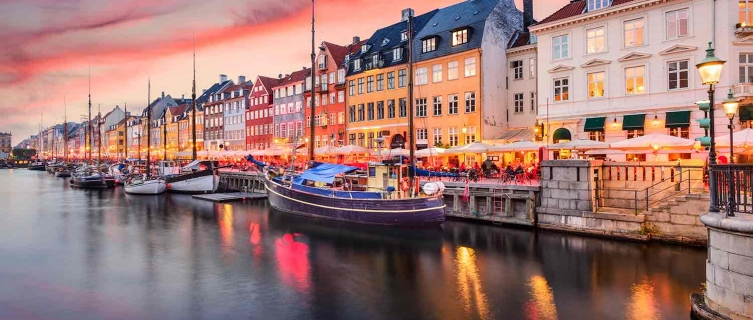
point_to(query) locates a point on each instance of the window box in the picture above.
(743, 30)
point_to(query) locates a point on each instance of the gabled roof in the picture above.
(573, 9)
(386, 39)
(467, 14)
(178, 110)
(269, 82)
(339, 52)
(204, 97)
(297, 76)
(519, 39)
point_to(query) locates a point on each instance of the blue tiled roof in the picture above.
(467, 14)
(384, 40)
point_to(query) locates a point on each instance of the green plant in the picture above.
(647, 229)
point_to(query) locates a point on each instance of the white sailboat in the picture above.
(143, 183)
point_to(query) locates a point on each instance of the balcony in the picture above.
(743, 30)
(742, 90)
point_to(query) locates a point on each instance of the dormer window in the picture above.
(375, 60)
(459, 37)
(404, 36)
(385, 42)
(429, 45)
(598, 4)
(397, 54)
(365, 48)
(357, 64)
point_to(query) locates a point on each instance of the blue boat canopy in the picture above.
(324, 172)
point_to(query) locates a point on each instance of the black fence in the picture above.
(735, 180)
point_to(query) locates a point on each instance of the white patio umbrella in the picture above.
(517, 146)
(654, 142)
(476, 147)
(742, 138)
(351, 149)
(324, 150)
(184, 154)
(276, 151)
(580, 144)
(241, 153)
(432, 151)
(396, 152)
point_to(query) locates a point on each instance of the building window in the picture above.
(634, 133)
(682, 132)
(403, 108)
(401, 78)
(634, 33)
(746, 12)
(340, 117)
(361, 139)
(470, 67)
(678, 74)
(404, 36)
(422, 134)
(397, 54)
(352, 87)
(452, 70)
(380, 110)
(533, 101)
(380, 82)
(352, 138)
(352, 113)
(370, 111)
(390, 109)
(361, 112)
(452, 133)
(470, 135)
(677, 23)
(532, 68)
(370, 84)
(436, 73)
(390, 80)
(595, 40)
(429, 45)
(634, 80)
(746, 67)
(437, 106)
(360, 85)
(357, 64)
(437, 136)
(596, 135)
(283, 130)
(370, 140)
(470, 102)
(333, 118)
(597, 4)
(452, 104)
(560, 47)
(421, 108)
(459, 37)
(561, 89)
(518, 99)
(517, 68)
(421, 76)
(596, 85)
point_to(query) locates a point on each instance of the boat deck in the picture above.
(230, 197)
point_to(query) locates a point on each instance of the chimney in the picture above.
(407, 13)
(356, 39)
(203, 90)
(527, 14)
(241, 79)
(223, 78)
(279, 76)
(163, 94)
(183, 96)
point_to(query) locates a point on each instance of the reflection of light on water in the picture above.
(542, 304)
(469, 282)
(642, 304)
(293, 261)
(255, 238)
(226, 225)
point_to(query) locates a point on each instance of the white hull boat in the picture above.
(200, 184)
(146, 187)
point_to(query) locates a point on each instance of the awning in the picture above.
(746, 113)
(594, 124)
(561, 134)
(677, 119)
(324, 172)
(513, 135)
(633, 121)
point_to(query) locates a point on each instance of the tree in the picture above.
(23, 154)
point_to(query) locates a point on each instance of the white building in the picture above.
(522, 107)
(614, 69)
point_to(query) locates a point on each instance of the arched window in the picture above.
(561, 135)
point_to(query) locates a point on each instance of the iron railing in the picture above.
(684, 181)
(734, 187)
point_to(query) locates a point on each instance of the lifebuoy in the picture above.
(168, 186)
(405, 185)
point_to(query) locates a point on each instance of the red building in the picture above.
(330, 94)
(260, 115)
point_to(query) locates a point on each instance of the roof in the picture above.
(204, 97)
(386, 39)
(269, 82)
(467, 14)
(519, 39)
(297, 76)
(573, 9)
(178, 110)
(339, 52)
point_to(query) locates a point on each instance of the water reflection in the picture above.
(225, 220)
(642, 304)
(541, 306)
(469, 283)
(293, 261)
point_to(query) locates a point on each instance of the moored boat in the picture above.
(93, 181)
(196, 177)
(37, 166)
(141, 184)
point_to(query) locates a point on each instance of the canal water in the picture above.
(78, 254)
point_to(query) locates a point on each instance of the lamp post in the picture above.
(730, 108)
(710, 69)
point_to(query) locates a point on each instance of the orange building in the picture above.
(330, 94)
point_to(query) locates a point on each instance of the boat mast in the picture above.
(411, 140)
(193, 101)
(313, 87)
(164, 135)
(148, 128)
(65, 129)
(99, 133)
(90, 139)
(125, 128)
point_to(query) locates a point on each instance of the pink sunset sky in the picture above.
(49, 46)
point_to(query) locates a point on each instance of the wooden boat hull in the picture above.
(39, 167)
(89, 182)
(62, 174)
(197, 182)
(148, 187)
(391, 212)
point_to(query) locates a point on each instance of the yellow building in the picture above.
(172, 119)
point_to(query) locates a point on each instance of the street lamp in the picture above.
(710, 69)
(730, 108)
